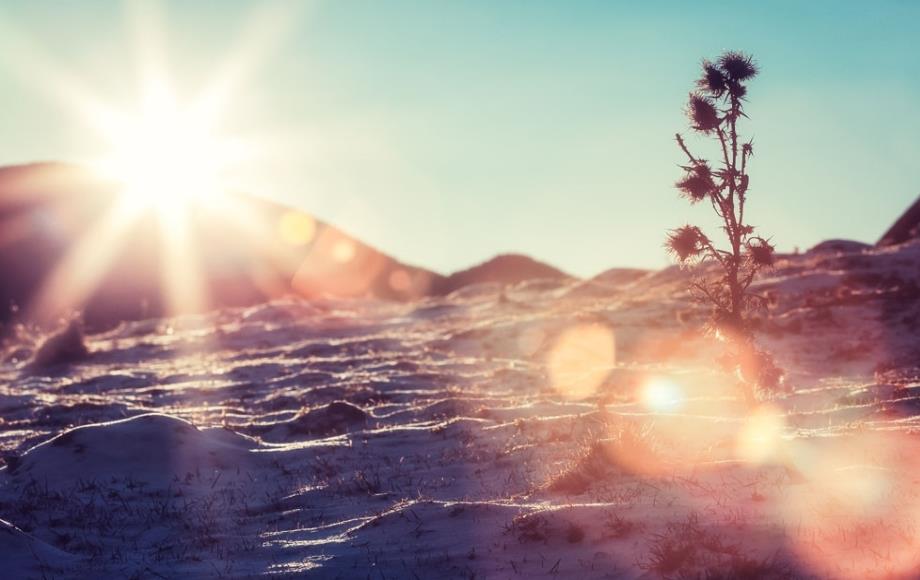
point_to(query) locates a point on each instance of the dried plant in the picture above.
(714, 109)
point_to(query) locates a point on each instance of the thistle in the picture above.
(703, 113)
(687, 242)
(714, 110)
(698, 183)
(737, 66)
(760, 252)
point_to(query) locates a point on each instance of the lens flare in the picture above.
(296, 228)
(343, 251)
(581, 359)
(760, 439)
(399, 280)
(662, 396)
(859, 509)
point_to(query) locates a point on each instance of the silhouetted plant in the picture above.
(714, 109)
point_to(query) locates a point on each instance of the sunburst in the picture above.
(166, 155)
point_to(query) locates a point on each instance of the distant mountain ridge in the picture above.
(59, 253)
(52, 214)
(502, 269)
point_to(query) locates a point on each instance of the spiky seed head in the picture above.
(737, 90)
(761, 252)
(686, 242)
(712, 81)
(737, 66)
(703, 114)
(697, 184)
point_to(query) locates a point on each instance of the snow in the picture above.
(24, 556)
(448, 437)
(153, 451)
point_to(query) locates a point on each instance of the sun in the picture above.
(166, 155)
(172, 156)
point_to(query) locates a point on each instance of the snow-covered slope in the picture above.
(535, 431)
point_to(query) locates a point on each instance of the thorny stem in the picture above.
(702, 288)
(745, 153)
(683, 146)
(732, 213)
(729, 294)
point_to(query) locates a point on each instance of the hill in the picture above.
(502, 269)
(67, 244)
(609, 281)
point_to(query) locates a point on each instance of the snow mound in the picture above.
(331, 419)
(65, 347)
(151, 450)
(24, 556)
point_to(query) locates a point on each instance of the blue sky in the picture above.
(447, 132)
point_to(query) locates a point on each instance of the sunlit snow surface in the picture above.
(573, 430)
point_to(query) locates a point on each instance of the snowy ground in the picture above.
(577, 430)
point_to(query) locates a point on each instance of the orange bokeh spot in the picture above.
(581, 359)
(661, 395)
(760, 439)
(343, 251)
(400, 280)
(296, 228)
(857, 511)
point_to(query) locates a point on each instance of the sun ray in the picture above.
(181, 278)
(267, 27)
(145, 20)
(28, 61)
(83, 267)
(262, 235)
(168, 155)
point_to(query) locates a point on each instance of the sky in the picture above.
(447, 132)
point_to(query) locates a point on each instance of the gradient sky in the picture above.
(447, 132)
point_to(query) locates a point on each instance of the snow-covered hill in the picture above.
(539, 431)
